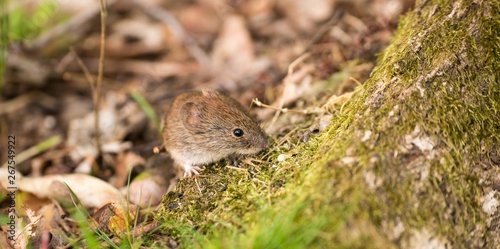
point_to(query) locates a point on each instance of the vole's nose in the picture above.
(263, 142)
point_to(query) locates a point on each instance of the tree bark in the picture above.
(412, 161)
(420, 142)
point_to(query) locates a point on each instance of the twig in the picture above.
(85, 70)
(198, 185)
(356, 81)
(167, 18)
(97, 96)
(259, 181)
(236, 168)
(287, 81)
(317, 37)
(145, 228)
(304, 54)
(283, 110)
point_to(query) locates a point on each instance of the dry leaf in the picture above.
(233, 50)
(199, 20)
(306, 13)
(125, 162)
(134, 37)
(147, 190)
(92, 192)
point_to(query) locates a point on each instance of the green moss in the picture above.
(405, 155)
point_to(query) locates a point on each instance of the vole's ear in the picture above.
(191, 115)
(207, 92)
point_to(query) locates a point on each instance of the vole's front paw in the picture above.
(193, 171)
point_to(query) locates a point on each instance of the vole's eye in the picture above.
(238, 132)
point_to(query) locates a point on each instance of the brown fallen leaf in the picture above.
(304, 14)
(234, 53)
(134, 37)
(125, 162)
(233, 47)
(147, 190)
(92, 192)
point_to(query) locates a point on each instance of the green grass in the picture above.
(148, 110)
(25, 24)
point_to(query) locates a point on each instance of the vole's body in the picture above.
(204, 127)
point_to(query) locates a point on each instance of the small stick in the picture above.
(335, 18)
(291, 67)
(85, 70)
(317, 37)
(259, 181)
(355, 80)
(236, 168)
(97, 96)
(197, 185)
(283, 110)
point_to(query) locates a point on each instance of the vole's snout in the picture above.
(263, 142)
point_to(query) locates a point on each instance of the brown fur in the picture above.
(199, 129)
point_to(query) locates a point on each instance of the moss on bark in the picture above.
(412, 160)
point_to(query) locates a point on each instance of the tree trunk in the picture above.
(412, 161)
